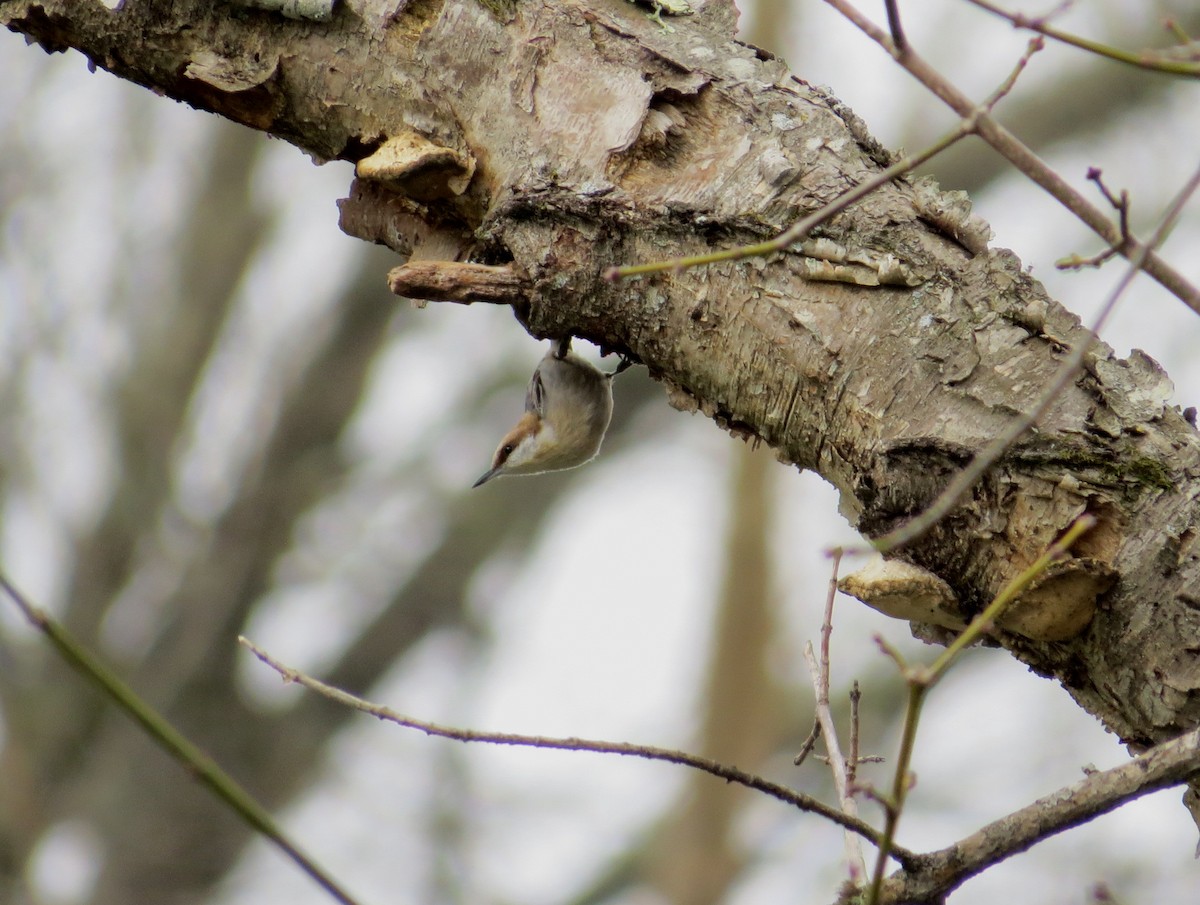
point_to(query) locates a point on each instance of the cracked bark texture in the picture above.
(597, 138)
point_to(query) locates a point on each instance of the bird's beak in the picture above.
(487, 476)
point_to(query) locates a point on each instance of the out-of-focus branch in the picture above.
(1085, 102)
(819, 671)
(697, 857)
(1172, 60)
(1019, 155)
(223, 786)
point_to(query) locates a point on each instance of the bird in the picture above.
(568, 406)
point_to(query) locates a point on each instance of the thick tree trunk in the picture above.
(558, 138)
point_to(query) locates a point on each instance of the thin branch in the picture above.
(964, 480)
(855, 757)
(827, 625)
(809, 743)
(1154, 60)
(195, 761)
(895, 25)
(1120, 203)
(1177, 30)
(723, 771)
(1020, 156)
(1168, 764)
(1035, 45)
(837, 762)
(863, 759)
(902, 782)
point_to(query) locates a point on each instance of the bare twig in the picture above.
(895, 25)
(827, 625)
(1155, 60)
(648, 752)
(1035, 45)
(1096, 175)
(902, 782)
(1177, 30)
(837, 766)
(807, 746)
(1013, 150)
(964, 480)
(819, 670)
(195, 761)
(852, 766)
(863, 759)
(1121, 205)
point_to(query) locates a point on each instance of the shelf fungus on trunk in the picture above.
(1057, 606)
(414, 166)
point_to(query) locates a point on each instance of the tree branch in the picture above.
(648, 752)
(1168, 764)
(1155, 60)
(1021, 157)
(210, 775)
(819, 673)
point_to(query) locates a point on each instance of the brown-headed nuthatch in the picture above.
(567, 409)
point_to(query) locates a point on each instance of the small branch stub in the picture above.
(452, 281)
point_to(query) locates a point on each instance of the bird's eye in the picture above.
(506, 450)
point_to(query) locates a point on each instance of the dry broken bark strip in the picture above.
(556, 138)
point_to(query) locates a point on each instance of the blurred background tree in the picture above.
(216, 420)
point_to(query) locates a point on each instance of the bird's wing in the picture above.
(535, 395)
